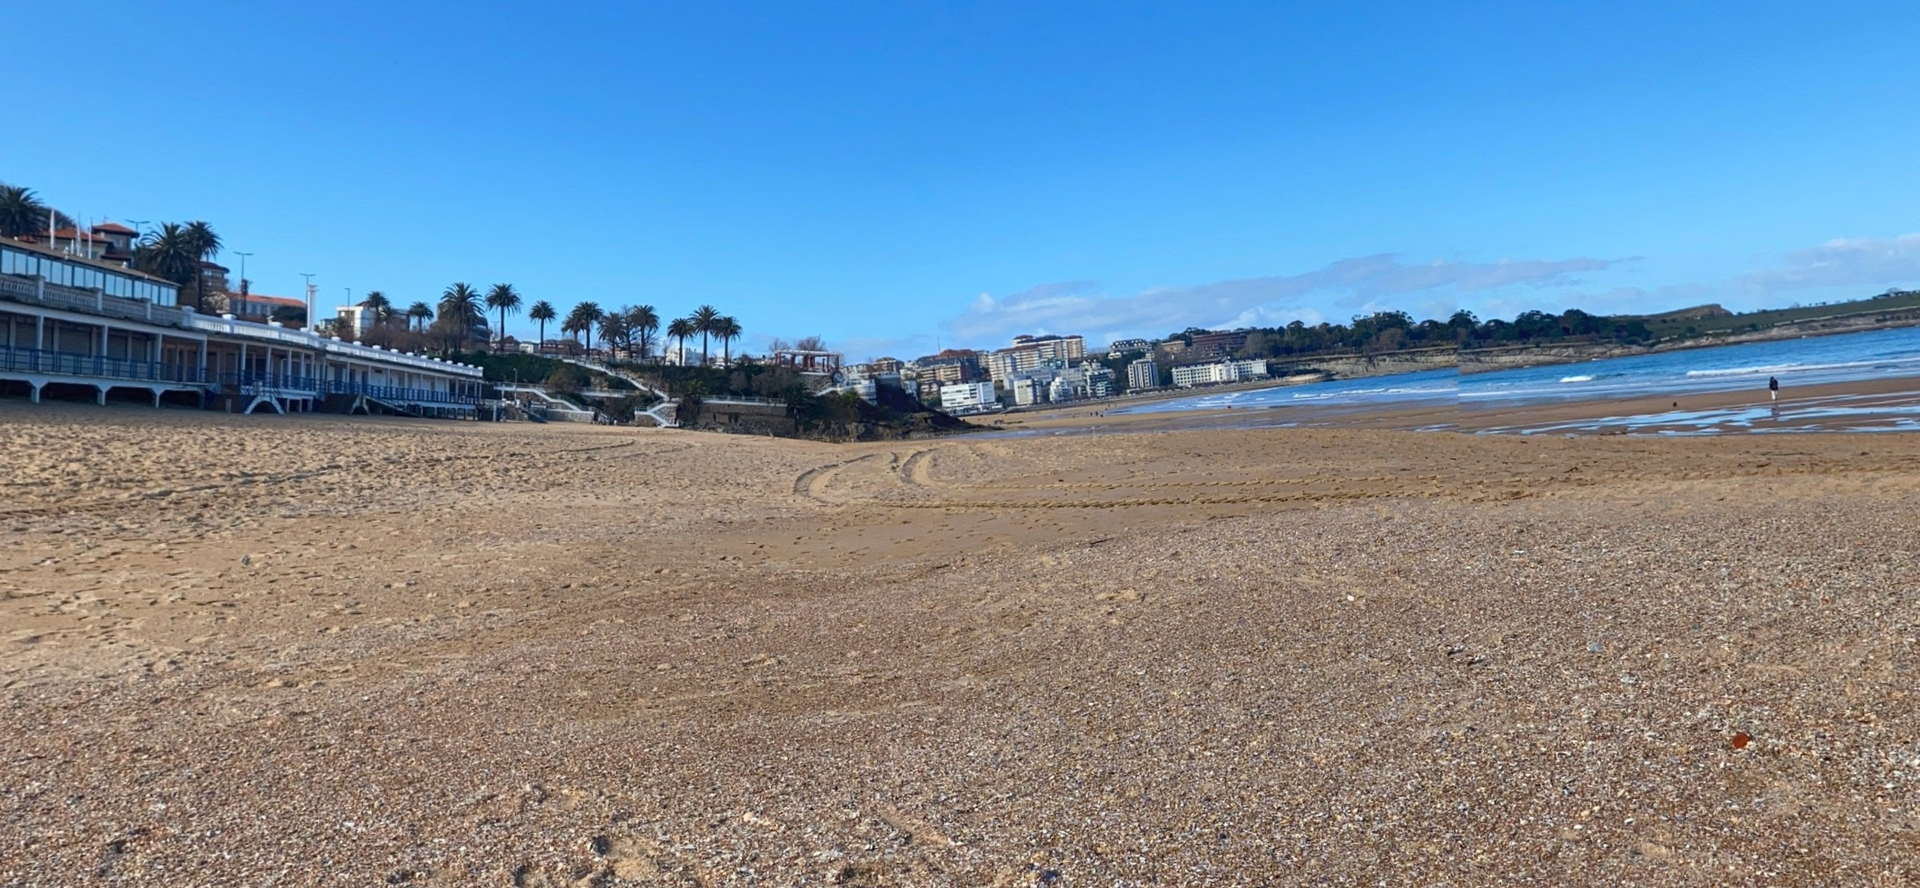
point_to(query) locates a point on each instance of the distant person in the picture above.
(1773, 387)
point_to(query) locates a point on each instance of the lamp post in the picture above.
(310, 299)
(243, 280)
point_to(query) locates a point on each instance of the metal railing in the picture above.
(58, 363)
(34, 291)
(307, 339)
(47, 362)
(293, 383)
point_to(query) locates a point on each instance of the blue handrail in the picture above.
(49, 362)
(58, 363)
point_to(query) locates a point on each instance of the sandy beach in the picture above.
(318, 651)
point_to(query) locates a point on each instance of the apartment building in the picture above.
(1218, 372)
(1143, 374)
(1029, 353)
(958, 398)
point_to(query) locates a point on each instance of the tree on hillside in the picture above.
(168, 253)
(703, 318)
(582, 320)
(419, 312)
(542, 312)
(505, 299)
(377, 303)
(643, 321)
(728, 330)
(23, 213)
(205, 245)
(613, 330)
(680, 329)
(460, 311)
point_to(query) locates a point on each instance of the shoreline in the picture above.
(1862, 405)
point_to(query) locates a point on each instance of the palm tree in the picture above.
(728, 330)
(421, 312)
(22, 212)
(613, 328)
(377, 303)
(460, 308)
(541, 311)
(703, 318)
(168, 253)
(642, 319)
(206, 245)
(680, 329)
(503, 297)
(582, 319)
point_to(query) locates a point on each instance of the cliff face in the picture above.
(1351, 366)
(1486, 360)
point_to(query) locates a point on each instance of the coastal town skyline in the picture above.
(794, 193)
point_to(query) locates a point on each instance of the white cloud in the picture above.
(1850, 268)
(1360, 282)
(1865, 262)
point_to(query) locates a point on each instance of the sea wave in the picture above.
(1755, 371)
(1576, 379)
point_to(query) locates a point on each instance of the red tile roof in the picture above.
(271, 300)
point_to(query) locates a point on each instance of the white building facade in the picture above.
(1143, 374)
(967, 397)
(1218, 372)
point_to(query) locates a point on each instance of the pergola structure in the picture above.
(824, 363)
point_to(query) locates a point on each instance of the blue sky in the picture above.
(901, 176)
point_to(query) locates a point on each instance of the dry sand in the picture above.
(314, 651)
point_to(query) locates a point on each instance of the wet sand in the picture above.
(1891, 404)
(316, 651)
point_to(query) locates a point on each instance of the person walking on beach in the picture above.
(1773, 387)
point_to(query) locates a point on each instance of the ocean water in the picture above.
(1399, 390)
(1848, 357)
(1879, 354)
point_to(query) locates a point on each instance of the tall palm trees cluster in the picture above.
(631, 330)
(707, 324)
(461, 309)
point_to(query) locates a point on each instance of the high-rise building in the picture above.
(1034, 352)
(1143, 374)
